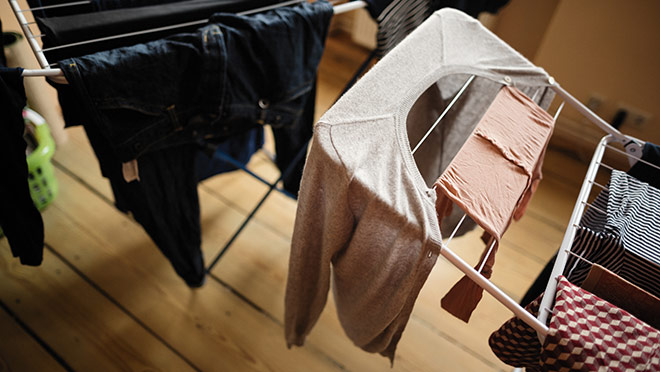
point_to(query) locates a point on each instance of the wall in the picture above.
(609, 48)
(523, 23)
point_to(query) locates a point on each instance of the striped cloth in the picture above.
(622, 233)
(397, 20)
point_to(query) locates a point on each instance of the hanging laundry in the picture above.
(586, 333)
(645, 172)
(150, 105)
(19, 219)
(624, 294)
(641, 171)
(516, 343)
(98, 23)
(627, 209)
(398, 18)
(492, 179)
(365, 208)
(87, 7)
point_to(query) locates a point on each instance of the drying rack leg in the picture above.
(271, 188)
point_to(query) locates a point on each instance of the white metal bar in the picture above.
(36, 49)
(56, 6)
(347, 7)
(632, 156)
(584, 110)
(44, 72)
(490, 250)
(586, 204)
(499, 295)
(135, 33)
(458, 225)
(561, 106)
(601, 186)
(456, 97)
(269, 7)
(567, 242)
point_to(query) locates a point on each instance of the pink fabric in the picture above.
(493, 177)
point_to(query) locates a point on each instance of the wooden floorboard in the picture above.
(20, 351)
(212, 327)
(80, 324)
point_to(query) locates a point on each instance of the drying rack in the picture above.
(631, 145)
(576, 216)
(56, 75)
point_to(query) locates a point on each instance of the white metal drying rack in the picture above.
(633, 149)
(47, 70)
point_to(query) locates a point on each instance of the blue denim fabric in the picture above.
(160, 102)
(240, 147)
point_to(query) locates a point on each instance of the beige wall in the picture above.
(607, 47)
(523, 23)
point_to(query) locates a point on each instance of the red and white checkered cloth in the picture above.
(590, 334)
(586, 333)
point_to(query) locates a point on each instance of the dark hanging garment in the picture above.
(151, 106)
(645, 172)
(642, 172)
(19, 218)
(397, 18)
(80, 27)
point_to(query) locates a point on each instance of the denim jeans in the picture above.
(19, 218)
(97, 24)
(157, 103)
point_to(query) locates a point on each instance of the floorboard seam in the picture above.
(36, 337)
(121, 307)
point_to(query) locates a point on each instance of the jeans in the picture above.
(240, 147)
(159, 102)
(79, 27)
(19, 218)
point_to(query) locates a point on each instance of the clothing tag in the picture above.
(130, 171)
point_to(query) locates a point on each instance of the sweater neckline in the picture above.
(401, 114)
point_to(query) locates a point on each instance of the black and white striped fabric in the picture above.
(622, 233)
(397, 20)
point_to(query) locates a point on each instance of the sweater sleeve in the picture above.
(323, 227)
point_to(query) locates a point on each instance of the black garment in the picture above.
(160, 102)
(397, 18)
(92, 6)
(80, 27)
(19, 218)
(645, 172)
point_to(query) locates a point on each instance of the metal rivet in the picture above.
(263, 103)
(551, 80)
(507, 79)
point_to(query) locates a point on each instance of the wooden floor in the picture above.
(105, 299)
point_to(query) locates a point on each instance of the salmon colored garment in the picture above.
(492, 179)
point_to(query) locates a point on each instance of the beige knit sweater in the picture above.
(365, 208)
